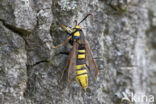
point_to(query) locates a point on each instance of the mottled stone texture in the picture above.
(121, 35)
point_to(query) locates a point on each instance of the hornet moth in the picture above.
(80, 58)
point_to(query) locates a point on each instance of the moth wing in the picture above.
(92, 65)
(72, 62)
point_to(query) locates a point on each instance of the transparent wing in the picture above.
(72, 62)
(92, 65)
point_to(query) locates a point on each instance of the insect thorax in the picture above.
(77, 35)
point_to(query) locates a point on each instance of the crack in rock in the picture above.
(17, 30)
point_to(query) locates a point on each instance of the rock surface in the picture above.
(121, 35)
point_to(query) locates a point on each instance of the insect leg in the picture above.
(64, 27)
(64, 43)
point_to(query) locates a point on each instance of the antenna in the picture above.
(85, 18)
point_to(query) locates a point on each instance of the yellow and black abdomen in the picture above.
(81, 70)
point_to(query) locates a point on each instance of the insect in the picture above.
(80, 58)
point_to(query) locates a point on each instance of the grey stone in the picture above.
(121, 35)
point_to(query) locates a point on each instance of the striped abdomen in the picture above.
(81, 70)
